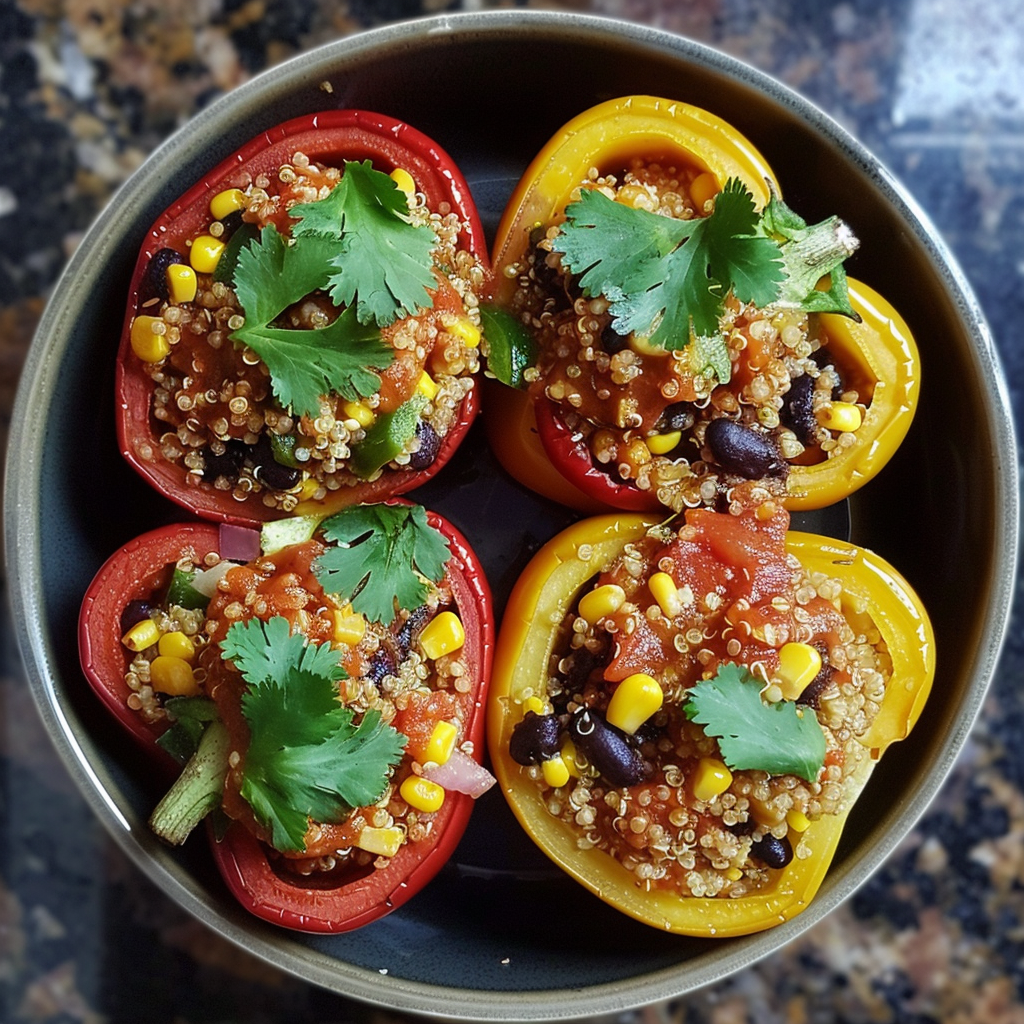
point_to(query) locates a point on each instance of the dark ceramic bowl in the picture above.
(498, 919)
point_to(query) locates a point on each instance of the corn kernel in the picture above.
(362, 414)
(142, 635)
(645, 347)
(467, 331)
(441, 743)
(797, 820)
(182, 283)
(426, 385)
(662, 444)
(600, 602)
(703, 188)
(384, 842)
(635, 699)
(842, 416)
(149, 346)
(734, 874)
(712, 778)
(223, 204)
(536, 705)
(637, 453)
(173, 676)
(404, 180)
(422, 794)
(177, 645)
(204, 255)
(798, 665)
(309, 486)
(555, 772)
(349, 626)
(666, 593)
(442, 635)
(570, 760)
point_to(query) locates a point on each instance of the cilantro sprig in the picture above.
(356, 244)
(667, 279)
(307, 758)
(781, 738)
(381, 557)
(382, 263)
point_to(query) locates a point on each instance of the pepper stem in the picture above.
(197, 791)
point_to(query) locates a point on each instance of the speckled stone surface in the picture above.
(934, 88)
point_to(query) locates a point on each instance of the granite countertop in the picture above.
(935, 89)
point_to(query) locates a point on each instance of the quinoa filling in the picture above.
(214, 408)
(644, 411)
(648, 780)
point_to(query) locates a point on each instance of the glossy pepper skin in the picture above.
(133, 572)
(879, 353)
(548, 588)
(329, 136)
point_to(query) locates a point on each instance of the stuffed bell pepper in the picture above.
(322, 684)
(302, 329)
(673, 335)
(682, 713)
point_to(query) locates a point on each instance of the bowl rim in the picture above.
(23, 550)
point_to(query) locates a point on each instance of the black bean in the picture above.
(535, 739)
(382, 663)
(607, 749)
(134, 613)
(232, 222)
(430, 443)
(743, 828)
(581, 665)
(154, 284)
(268, 470)
(776, 853)
(811, 695)
(678, 416)
(797, 411)
(743, 451)
(612, 341)
(227, 464)
(413, 624)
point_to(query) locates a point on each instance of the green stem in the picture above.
(198, 790)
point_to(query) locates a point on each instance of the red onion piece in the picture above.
(461, 774)
(239, 543)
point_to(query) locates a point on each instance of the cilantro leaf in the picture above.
(380, 555)
(776, 738)
(306, 364)
(306, 757)
(667, 278)
(273, 274)
(384, 263)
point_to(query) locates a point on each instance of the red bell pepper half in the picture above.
(569, 453)
(250, 869)
(330, 137)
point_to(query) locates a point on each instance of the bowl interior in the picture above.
(498, 917)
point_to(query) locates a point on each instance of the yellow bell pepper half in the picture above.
(877, 356)
(530, 630)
